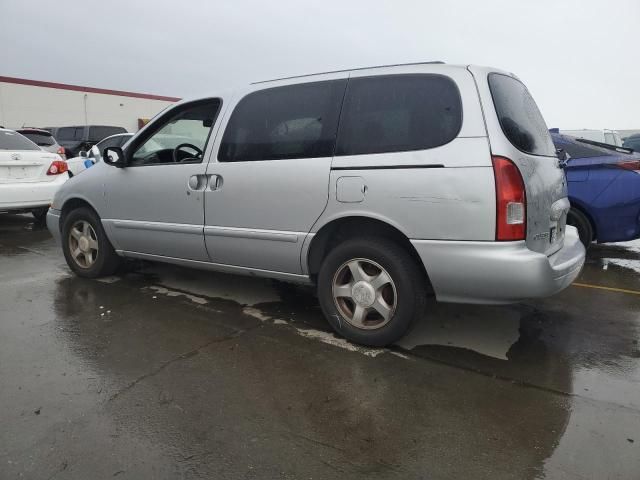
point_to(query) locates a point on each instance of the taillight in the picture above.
(57, 167)
(62, 153)
(629, 165)
(511, 200)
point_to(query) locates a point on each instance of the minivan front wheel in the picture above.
(371, 291)
(86, 248)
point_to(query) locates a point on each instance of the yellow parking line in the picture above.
(610, 289)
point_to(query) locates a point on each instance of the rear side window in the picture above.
(519, 117)
(295, 121)
(15, 141)
(397, 113)
(66, 134)
(40, 139)
(98, 133)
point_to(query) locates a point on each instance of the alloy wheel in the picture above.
(364, 294)
(83, 244)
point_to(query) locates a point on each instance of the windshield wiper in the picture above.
(608, 146)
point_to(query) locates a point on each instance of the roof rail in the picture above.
(437, 62)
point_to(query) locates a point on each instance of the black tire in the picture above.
(40, 214)
(585, 230)
(410, 289)
(106, 260)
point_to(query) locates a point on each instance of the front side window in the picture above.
(294, 121)
(179, 137)
(397, 113)
(519, 117)
(15, 141)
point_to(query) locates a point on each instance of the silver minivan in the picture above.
(381, 186)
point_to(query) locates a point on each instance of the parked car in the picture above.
(94, 155)
(44, 139)
(378, 185)
(604, 190)
(632, 142)
(76, 139)
(29, 176)
(611, 137)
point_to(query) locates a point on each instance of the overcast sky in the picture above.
(579, 58)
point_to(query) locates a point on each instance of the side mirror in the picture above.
(114, 156)
(83, 154)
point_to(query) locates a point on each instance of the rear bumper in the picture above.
(23, 196)
(53, 224)
(498, 272)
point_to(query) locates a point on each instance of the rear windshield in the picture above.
(519, 117)
(15, 141)
(40, 139)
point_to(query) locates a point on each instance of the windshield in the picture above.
(15, 141)
(577, 149)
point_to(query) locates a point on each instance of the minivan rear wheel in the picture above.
(371, 291)
(86, 248)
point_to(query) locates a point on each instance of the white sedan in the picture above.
(29, 176)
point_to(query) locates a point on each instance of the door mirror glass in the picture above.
(83, 154)
(114, 156)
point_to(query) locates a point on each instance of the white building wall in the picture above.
(36, 106)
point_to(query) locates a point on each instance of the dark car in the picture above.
(632, 142)
(44, 139)
(78, 138)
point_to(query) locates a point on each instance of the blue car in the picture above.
(604, 189)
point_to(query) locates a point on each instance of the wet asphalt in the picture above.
(165, 372)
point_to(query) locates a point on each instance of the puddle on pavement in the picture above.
(490, 331)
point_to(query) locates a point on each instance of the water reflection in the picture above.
(260, 395)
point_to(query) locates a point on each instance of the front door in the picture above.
(270, 177)
(155, 204)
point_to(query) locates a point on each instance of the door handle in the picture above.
(215, 182)
(197, 182)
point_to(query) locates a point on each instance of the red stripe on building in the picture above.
(78, 88)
